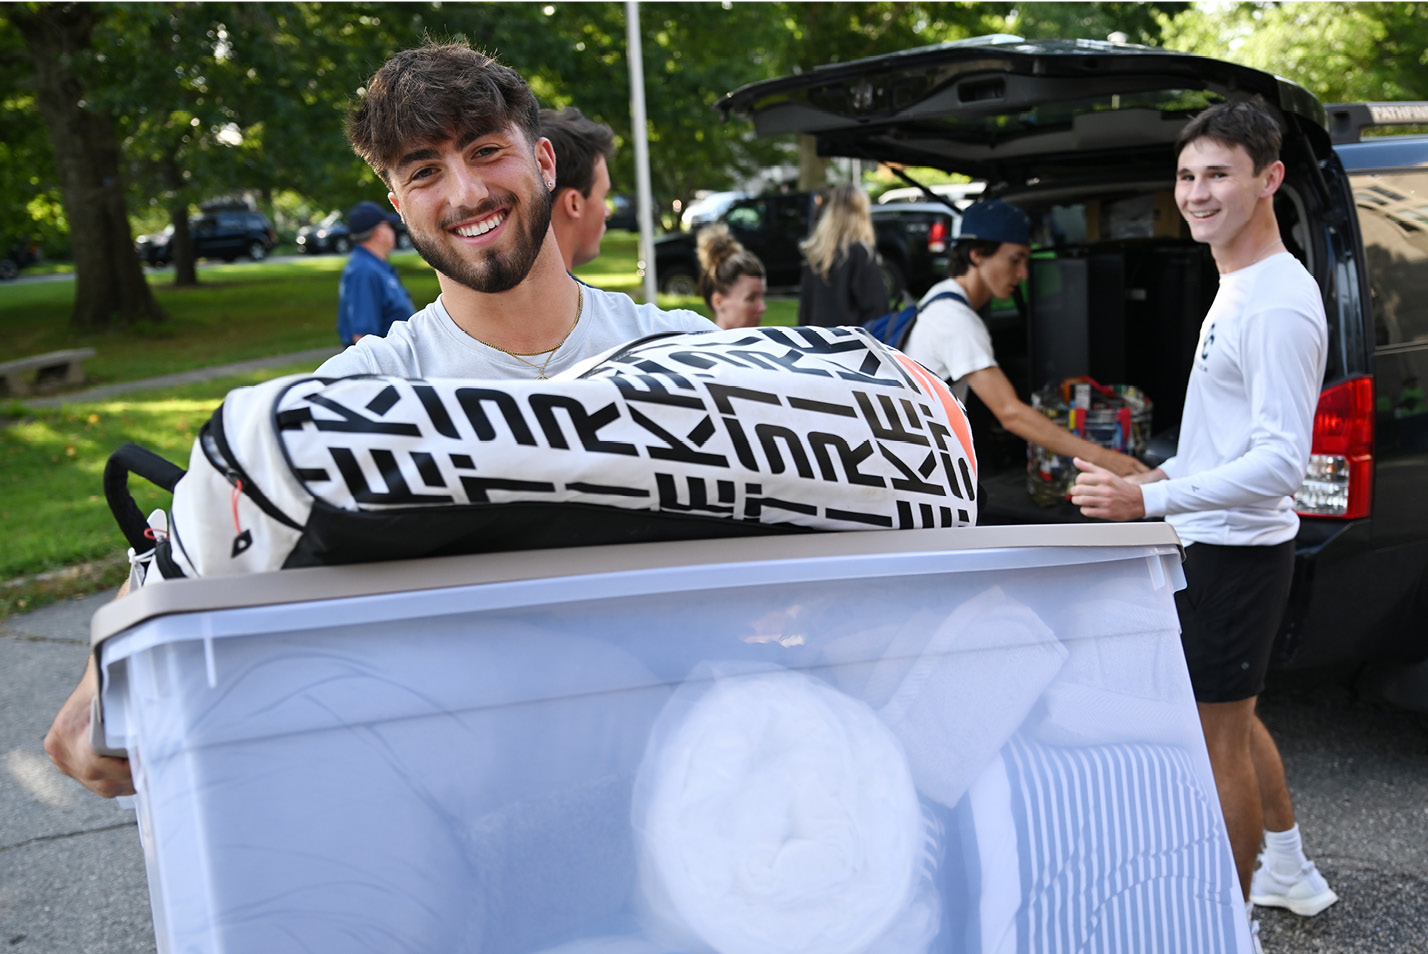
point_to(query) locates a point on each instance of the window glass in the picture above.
(790, 219)
(1393, 216)
(750, 218)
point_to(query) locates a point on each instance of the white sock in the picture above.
(1284, 853)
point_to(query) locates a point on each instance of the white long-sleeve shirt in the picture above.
(1249, 410)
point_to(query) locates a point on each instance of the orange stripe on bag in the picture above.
(933, 386)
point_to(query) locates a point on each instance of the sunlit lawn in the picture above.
(253, 310)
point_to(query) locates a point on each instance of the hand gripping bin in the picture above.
(978, 740)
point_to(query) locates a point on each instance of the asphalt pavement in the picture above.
(72, 869)
(71, 866)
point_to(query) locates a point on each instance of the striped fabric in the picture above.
(1120, 851)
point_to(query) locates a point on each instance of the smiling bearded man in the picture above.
(456, 138)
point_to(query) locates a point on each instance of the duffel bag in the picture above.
(764, 430)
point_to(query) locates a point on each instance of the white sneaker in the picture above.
(1254, 936)
(1306, 894)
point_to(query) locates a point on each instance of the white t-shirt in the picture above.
(431, 345)
(949, 339)
(1249, 410)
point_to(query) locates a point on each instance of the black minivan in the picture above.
(1081, 134)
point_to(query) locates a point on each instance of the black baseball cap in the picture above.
(996, 221)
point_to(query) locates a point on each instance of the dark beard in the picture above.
(494, 272)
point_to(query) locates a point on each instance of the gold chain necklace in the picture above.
(522, 355)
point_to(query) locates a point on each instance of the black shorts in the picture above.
(1230, 609)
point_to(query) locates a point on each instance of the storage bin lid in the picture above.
(399, 576)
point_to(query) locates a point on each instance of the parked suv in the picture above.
(19, 255)
(228, 234)
(912, 241)
(1081, 134)
(329, 234)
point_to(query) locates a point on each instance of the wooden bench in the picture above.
(23, 373)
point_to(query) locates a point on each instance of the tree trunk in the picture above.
(181, 255)
(812, 168)
(181, 248)
(110, 288)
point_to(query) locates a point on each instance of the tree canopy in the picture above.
(207, 100)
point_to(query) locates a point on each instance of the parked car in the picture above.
(708, 208)
(1081, 134)
(330, 234)
(912, 241)
(624, 214)
(17, 256)
(226, 233)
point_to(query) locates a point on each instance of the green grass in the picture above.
(238, 311)
(51, 477)
(51, 461)
(253, 310)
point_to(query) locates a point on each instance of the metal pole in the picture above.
(638, 126)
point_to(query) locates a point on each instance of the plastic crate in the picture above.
(971, 740)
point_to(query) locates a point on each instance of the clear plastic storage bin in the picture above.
(977, 740)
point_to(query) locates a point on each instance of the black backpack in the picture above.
(894, 327)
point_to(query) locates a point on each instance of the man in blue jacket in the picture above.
(371, 296)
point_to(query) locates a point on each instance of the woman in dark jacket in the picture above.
(842, 283)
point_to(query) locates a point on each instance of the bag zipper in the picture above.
(216, 448)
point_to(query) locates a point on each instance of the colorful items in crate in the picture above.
(1117, 416)
(754, 430)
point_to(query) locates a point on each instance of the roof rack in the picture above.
(1347, 121)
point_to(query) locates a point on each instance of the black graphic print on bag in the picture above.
(751, 430)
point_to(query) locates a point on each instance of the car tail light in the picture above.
(937, 237)
(1340, 478)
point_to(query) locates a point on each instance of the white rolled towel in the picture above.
(776, 815)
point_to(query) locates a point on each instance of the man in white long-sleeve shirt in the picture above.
(1244, 444)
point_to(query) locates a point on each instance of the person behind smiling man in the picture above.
(583, 151)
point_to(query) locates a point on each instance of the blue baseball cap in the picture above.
(996, 221)
(366, 216)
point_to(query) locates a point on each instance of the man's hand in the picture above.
(1100, 493)
(67, 744)
(1122, 465)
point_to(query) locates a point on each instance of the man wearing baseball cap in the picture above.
(949, 338)
(371, 296)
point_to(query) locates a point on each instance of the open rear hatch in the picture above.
(1007, 110)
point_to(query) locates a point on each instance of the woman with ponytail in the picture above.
(731, 279)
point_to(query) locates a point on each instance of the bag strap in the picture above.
(906, 331)
(133, 459)
(939, 296)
